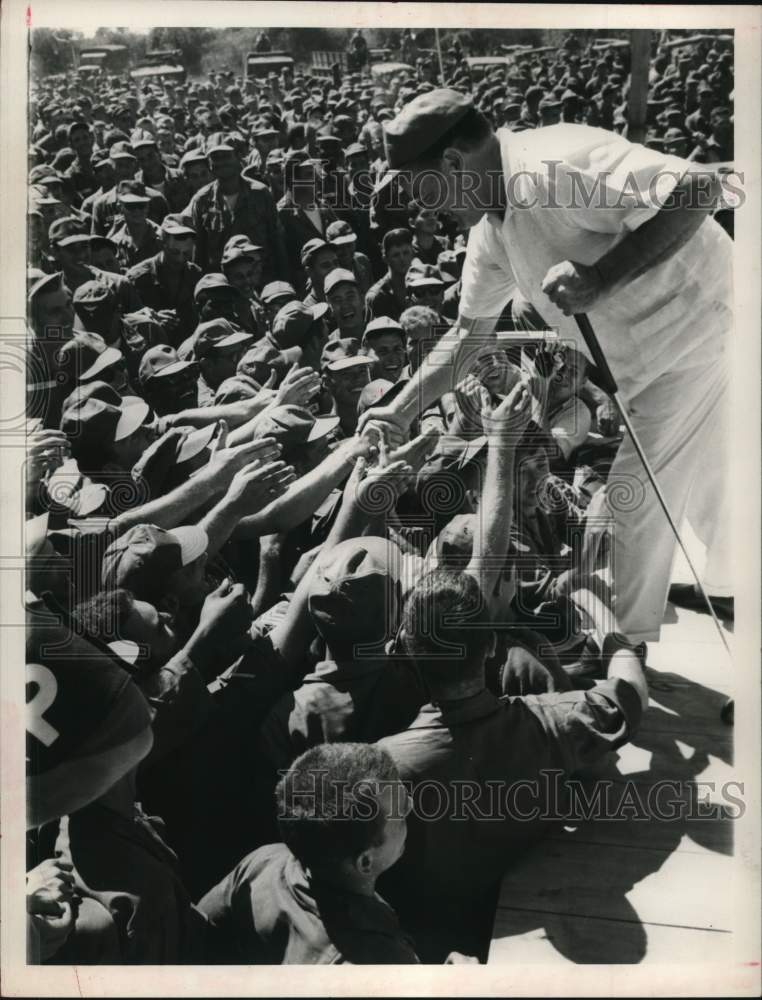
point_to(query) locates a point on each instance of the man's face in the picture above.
(224, 166)
(533, 470)
(178, 250)
(426, 223)
(173, 393)
(127, 451)
(419, 346)
(125, 168)
(273, 307)
(346, 386)
(223, 306)
(245, 274)
(345, 254)
(123, 121)
(346, 306)
(149, 627)
(135, 212)
(198, 174)
(398, 258)
(148, 158)
(56, 311)
(387, 351)
(116, 376)
(321, 264)
(81, 142)
(494, 370)
(220, 364)
(267, 143)
(73, 257)
(104, 257)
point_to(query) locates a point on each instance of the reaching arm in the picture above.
(504, 426)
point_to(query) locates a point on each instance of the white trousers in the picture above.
(682, 423)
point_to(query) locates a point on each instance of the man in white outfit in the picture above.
(579, 220)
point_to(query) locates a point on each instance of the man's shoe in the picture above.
(687, 595)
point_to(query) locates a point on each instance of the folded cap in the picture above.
(293, 323)
(106, 359)
(381, 325)
(373, 394)
(92, 295)
(340, 232)
(194, 443)
(239, 246)
(421, 123)
(424, 276)
(64, 232)
(293, 426)
(355, 149)
(277, 289)
(343, 353)
(175, 225)
(161, 361)
(338, 276)
(310, 248)
(235, 388)
(355, 592)
(132, 193)
(213, 284)
(144, 557)
(196, 155)
(91, 424)
(217, 334)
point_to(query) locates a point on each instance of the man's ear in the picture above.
(364, 863)
(452, 159)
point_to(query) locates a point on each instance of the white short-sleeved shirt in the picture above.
(573, 193)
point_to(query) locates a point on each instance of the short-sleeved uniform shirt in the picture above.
(268, 911)
(492, 745)
(573, 193)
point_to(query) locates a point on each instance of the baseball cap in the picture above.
(293, 426)
(373, 393)
(144, 557)
(194, 443)
(380, 325)
(277, 289)
(355, 591)
(343, 353)
(214, 283)
(64, 232)
(310, 248)
(91, 296)
(424, 276)
(89, 422)
(340, 232)
(132, 193)
(238, 247)
(263, 357)
(216, 334)
(192, 156)
(355, 149)
(235, 388)
(422, 122)
(455, 542)
(338, 276)
(175, 225)
(293, 321)
(108, 357)
(161, 361)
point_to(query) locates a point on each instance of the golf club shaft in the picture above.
(608, 383)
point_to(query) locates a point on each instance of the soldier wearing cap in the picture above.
(626, 267)
(104, 178)
(550, 111)
(155, 173)
(51, 317)
(106, 437)
(167, 383)
(343, 239)
(343, 295)
(218, 346)
(318, 259)
(426, 286)
(70, 246)
(384, 343)
(166, 281)
(530, 116)
(137, 237)
(346, 372)
(80, 173)
(232, 206)
(195, 169)
(242, 266)
(301, 325)
(106, 211)
(275, 295)
(424, 223)
(302, 212)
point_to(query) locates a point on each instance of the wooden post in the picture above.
(637, 102)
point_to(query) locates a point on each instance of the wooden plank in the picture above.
(548, 939)
(623, 884)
